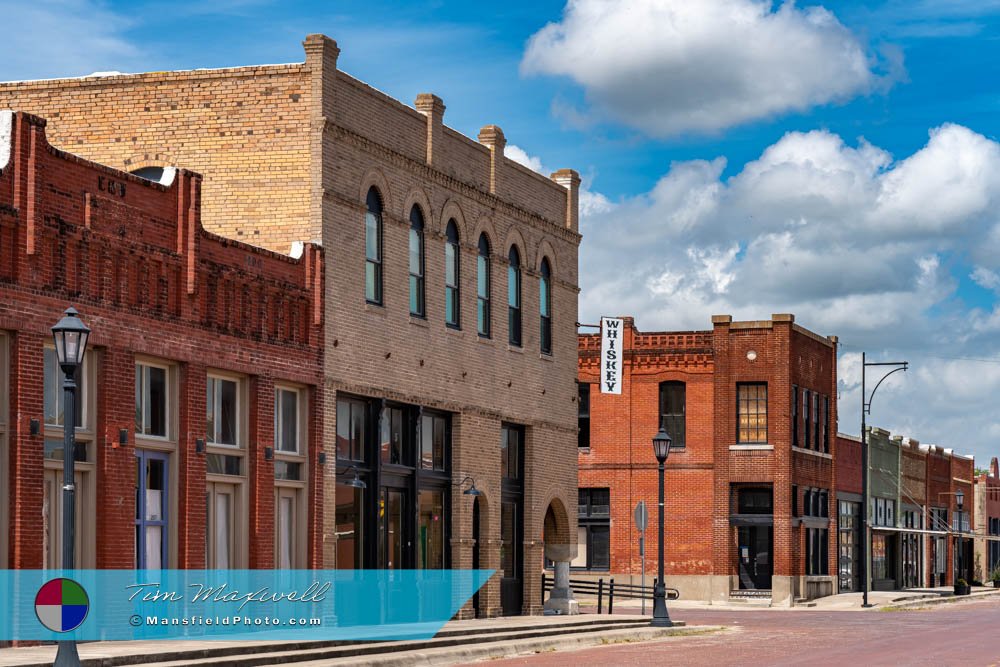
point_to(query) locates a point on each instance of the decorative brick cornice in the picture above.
(423, 171)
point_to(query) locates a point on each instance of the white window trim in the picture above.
(301, 420)
(241, 416)
(171, 372)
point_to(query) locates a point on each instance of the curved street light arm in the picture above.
(868, 403)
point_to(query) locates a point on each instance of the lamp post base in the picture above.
(67, 655)
(661, 619)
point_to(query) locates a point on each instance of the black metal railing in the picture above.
(600, 588)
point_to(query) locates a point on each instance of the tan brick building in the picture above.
(451, 296)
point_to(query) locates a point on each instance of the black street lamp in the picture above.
(70, 335)
(959, 501)
(661, 619)
(355, 482)
(866, 408)
(472, 490)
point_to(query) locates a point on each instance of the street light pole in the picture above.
(661, 619)
(70, 335)
(866, 406)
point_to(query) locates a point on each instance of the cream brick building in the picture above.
(432, 375)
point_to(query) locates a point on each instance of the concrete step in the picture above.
(804, 602)
(496, 650)
(750, 601)
(251, 654)
(378, 652)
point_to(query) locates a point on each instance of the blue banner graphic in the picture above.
(311, 605)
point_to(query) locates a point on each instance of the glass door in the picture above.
(755, 566)
(391, 528)
(511, 581)
(151, 509)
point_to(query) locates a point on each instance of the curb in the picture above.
(513, 649)
(926, 602)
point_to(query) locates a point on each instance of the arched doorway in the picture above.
(560, 548)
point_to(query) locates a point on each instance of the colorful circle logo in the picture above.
(61, 605)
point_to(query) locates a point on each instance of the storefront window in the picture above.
(350, 532)
(430, 533)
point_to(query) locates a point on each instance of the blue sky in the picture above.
(839, 160)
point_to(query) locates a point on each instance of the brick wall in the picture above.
(288, 153)
(132, 257)
(700, 478)
(245, 129)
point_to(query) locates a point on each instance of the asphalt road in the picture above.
(966, 633)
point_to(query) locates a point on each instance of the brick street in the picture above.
(950, 634)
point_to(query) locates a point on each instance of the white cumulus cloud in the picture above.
(672, 66)
(855, 242)
(58, 38)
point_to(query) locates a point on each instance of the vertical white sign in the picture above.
(611, 355)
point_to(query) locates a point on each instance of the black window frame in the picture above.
(817, 445)
(583, 414)
(758, 400)
(484, 291)
(817, 552)
(795, 416)
(453, 291)
(825, 428)
(545, 306)
(417, 280)
(514, 300)
(597, 525)
(675, 423)
(806, 416)
(375, 207)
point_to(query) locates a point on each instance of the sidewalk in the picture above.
(458, 641)
(918, 597)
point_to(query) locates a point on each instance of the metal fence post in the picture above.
(600, 595)
(611, 596)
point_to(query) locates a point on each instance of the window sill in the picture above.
(751, 448)
(583, 450)
(515, 348)
(419, 321)
(484, 339)
(375, 308)
(812, 452)
(546, 356)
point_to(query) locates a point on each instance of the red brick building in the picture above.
(752, 412)
(987, 522)
(201, 392)
(920, 534)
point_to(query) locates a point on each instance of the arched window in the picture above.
(545, 306)
(451, 293)
(483, 287)
(417, 306)
(514, 296)
(373, 247)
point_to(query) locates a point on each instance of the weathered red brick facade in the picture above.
(711, 481)
(988, 522)
(157, 290)
(917, 543)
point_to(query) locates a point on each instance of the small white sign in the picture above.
(611, 355)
